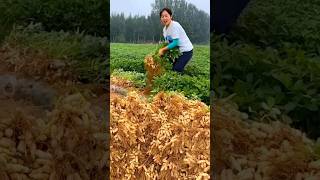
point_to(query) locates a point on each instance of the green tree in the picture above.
(137, 29)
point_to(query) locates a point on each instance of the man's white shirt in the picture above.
(175, 31)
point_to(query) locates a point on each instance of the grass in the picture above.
(194, 83)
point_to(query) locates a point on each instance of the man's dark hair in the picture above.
(166, 9)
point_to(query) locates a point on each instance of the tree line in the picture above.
(148, 29)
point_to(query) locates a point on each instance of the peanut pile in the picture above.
(248, 150)
(167, 138)
(70, 143)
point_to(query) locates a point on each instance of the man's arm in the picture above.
(173, 44)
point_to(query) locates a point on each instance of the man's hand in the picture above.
(162, 51)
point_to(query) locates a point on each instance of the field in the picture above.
(127, 61)
(152, 125)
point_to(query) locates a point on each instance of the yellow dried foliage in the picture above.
(121, 82)
(254, 150)
(71, 143)
(167, 138)
(153, 69)
(35, 64)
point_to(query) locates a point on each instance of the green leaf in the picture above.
(299, 85)
(276, 111)
(284, 78)
(290, 106)
(265, 106)
(249, 77)
(270, 101)
(312, 107)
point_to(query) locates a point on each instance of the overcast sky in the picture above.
(143, 7)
